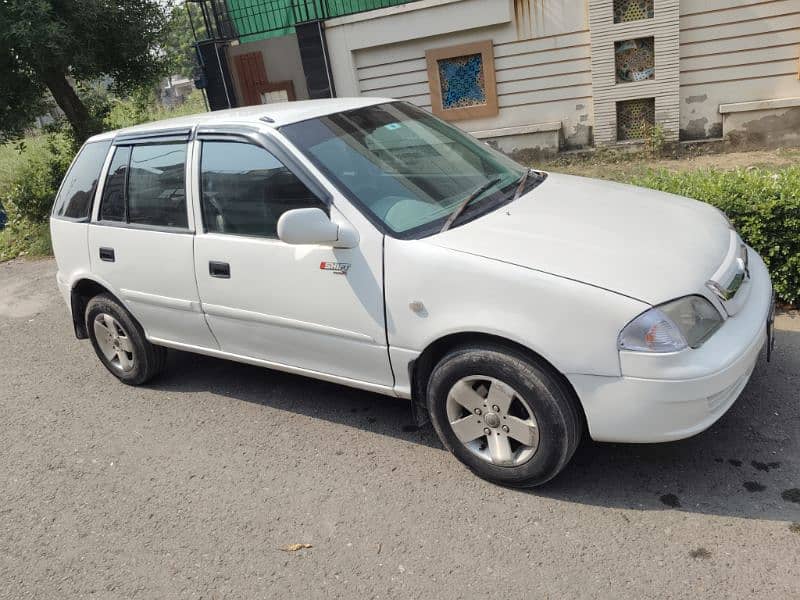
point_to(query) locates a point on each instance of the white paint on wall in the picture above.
(736, 51)
(542, 65)
(708, 53)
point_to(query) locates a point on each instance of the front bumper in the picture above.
(673, 396)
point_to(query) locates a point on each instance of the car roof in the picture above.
(270, 115)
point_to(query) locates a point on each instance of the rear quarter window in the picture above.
(74, 199)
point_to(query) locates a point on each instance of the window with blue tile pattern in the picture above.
(462, 80)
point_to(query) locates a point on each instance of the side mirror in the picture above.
(312, 226)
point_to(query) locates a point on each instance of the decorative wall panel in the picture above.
(635, 118)
(462, 81)
(635, 60)
(632, 10)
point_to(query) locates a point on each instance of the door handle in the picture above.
(107, 254)
(221, 270)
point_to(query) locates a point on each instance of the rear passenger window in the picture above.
(146, 185)
(157, 185)
(74, 200)
(245, 190)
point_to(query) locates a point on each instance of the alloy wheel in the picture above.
(492, 420)
(114, 342)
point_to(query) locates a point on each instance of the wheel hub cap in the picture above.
(492, 420)
(113, 341)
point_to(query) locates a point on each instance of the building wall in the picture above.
(716, 62)
(739, 51)
(281, 61)
(541, 60)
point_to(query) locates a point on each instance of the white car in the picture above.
(367, 243)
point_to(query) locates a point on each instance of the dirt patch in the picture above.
(791, 495)
(22, 298)
(766, 467)
(622, 166)
(754, 486)
(700, 552)
(670, 500)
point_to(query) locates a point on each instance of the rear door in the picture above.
(72, 212)
(141, 238)
(308, 307)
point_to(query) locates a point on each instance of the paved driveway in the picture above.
(190, 487)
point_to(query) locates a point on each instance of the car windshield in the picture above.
(405, 168)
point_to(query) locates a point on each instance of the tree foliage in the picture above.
(177, 42)
(45, 45)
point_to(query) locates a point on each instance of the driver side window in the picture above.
(245, 190)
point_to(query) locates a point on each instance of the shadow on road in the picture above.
(740, 467)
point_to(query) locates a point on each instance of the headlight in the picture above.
(683, 323)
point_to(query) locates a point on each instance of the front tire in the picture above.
(510, 419)
(120, 342)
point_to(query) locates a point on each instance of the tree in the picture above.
(177, 43)
(46, 45)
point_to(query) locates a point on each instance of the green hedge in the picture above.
(763, 205)
(27, 193)
(38, 178)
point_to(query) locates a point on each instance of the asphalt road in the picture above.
(192, 486)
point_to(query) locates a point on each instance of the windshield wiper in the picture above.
(522, 181)
(466, 202)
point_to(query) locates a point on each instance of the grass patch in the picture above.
(25, 239)
(22, 237)
(13, 156)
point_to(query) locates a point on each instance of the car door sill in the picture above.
(355, 383)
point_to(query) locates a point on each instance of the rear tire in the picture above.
(120, 342)
(510, 419)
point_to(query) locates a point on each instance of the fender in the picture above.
(83, 285)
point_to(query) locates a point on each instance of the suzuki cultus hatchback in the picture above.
(367, 243)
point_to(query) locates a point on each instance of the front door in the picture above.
(306, 307)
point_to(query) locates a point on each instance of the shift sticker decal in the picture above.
(335, 267)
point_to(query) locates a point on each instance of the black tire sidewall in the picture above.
(142, 350)
(540, 390)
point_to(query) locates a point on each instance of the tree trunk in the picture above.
(70, 103)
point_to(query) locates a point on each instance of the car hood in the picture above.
(645, 244)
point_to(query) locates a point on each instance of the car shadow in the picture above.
(746, 465)
(384, 415)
